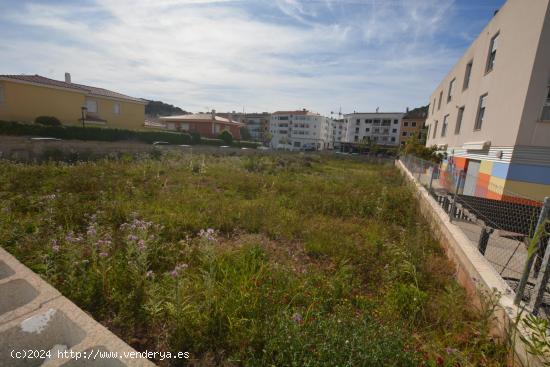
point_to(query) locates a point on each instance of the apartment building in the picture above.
(491, 113)
(413, 124)
(339, 131)
(300, 130)
(382, 128)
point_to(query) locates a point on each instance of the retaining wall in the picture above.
(473, 271)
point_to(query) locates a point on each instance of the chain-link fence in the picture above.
(509, 229)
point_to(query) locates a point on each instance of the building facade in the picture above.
(491, 113)
(25, 97)
(208, 125)
(381, 128)
(413, 124)
(339, 131)
(300, 130)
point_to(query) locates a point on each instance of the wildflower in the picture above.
(103, 254)
(141, 245)
(209, 234)
(149, 274)
(178, 269)
(297, 317)
(55, 246)
(92, 232)
(132, 237)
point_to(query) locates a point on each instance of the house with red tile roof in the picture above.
(207, 125)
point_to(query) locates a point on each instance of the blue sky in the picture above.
(260, 55)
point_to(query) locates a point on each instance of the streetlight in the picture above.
(83, 109)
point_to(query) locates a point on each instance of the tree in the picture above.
(415, 147)
(245, 133)
(226, 137)
(266, 138)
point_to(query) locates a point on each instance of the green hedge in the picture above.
(106, 134)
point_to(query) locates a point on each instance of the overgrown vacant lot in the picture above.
(263, 260)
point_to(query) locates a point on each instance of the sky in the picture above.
(252, 55)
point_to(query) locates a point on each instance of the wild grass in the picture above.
(260, 260)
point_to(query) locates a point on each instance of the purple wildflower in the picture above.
(103, 254)
(132, 237)
(297, 317)
(177, 270)
(141, 245)
(55, 246)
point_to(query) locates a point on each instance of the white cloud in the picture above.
(219, 54)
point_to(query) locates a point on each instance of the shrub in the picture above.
(92, 133)
(246, 144)
(215, 142)
(195, 138)
(48, 121)
(226, 137)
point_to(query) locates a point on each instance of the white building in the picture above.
(382, 128)
(300, 130)
(339, 131)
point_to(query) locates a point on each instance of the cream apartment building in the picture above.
(382, 128)
(300, 130)
(491, 113)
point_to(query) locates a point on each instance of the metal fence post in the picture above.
(432, 177)
(540, 285)
(529, 263)
(453, 204)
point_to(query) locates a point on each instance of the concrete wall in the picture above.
(472, 270)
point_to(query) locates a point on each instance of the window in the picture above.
(459, 120)
(405, 124)
(116, 108)
(433, 107)
(358, 121)
(1, 94)
(435, 130)
(429, 129)
(440, 98)
(386, 122)
(450, 93)
(393, 139)
(356, 138)
(395, 122)
(297, 144)
(467, 75)
(480, 112)
(404, 133)
(368, 121)
(356, 130)
(394, 131)
(283, 117)
(492, 53)
(413, 124)
(545, 110)
(367, 129)
(444, 126)
(91, 105)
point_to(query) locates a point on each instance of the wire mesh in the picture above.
(501, 224)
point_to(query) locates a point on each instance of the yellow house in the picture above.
(25, 97)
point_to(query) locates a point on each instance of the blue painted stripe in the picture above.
(500, 169)
(529, 173)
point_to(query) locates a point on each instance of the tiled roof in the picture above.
(417, 113)
(37, 79)
(199, 117)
